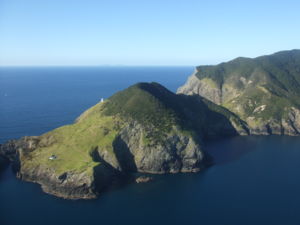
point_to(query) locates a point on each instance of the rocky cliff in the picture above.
(264, 92)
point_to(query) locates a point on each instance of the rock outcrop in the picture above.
(177, 153)
(205, 88)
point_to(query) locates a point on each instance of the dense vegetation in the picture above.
(282, 70)
(271, 82)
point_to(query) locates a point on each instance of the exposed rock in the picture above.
(201, 87)
(68, 185)
(178, 153)
(259, 109)
(10, 148)
(143, 179)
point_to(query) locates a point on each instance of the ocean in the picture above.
(255, 180)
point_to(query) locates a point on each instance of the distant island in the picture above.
(148, 129)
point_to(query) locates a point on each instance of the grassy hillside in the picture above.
(73, 144)
(264, 87)
(282, 69)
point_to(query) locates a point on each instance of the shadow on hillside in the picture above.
(124, 156)
(209, 119)
(197, 113)
(106, 176)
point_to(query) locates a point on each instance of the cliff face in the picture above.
(205, 88)
(264, 92)
(177, 153)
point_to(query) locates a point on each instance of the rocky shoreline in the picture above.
(110, 173)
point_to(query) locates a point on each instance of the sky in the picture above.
(140, 32)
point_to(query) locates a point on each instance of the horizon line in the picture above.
(104, 65)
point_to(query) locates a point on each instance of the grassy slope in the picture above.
(72, 144)
(276, 83)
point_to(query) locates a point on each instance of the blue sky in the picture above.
(139, 32)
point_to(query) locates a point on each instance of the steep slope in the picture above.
(145, 128)
(264, 91)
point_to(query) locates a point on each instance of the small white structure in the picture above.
(52, 157)
(102, 100)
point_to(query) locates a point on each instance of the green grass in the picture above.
(72, 144)
(276, 105)
(282, 70)
(211, 83)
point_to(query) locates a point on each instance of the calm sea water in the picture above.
(255, 179)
